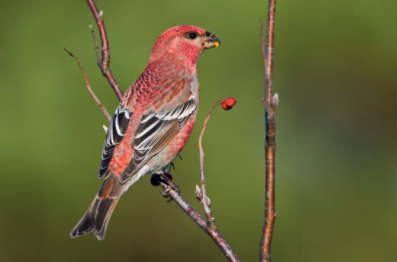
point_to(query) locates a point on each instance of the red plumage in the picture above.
(152, 123)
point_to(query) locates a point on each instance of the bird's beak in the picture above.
(210, 41)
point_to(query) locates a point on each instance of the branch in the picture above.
(87, 83)
(104, 63)
(203, 223)
(185, 206)
(270, 103)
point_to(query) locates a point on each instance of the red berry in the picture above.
(228, 103)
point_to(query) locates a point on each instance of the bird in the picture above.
(152, 123)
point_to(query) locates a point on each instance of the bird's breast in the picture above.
(194, 88)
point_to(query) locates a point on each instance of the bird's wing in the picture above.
(117, 128)
(154, 132)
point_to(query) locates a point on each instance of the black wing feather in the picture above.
(117, 128)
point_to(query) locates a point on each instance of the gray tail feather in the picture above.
(96, 218)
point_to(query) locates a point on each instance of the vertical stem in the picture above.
(270, 104)
(269, 52)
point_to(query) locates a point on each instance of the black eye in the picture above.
(192, 35)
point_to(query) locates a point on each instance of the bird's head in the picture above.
(183, 42)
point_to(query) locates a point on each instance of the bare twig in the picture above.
(104, 63)
(98, 56)
(87, 83)
(201, 194)
(270, 103)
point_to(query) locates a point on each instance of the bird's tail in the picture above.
(96, 218)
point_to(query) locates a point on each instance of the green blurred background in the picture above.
(335, 72)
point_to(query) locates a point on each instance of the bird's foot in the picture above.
(168, 168)
(166, 179)
(169, 181)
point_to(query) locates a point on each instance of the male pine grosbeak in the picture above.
(152, 123)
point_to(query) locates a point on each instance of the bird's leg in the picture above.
(169, 167)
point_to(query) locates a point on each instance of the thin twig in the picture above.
(87, 83)
(104, 63)
(201, 194)
(98, 56)
(270, 103)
